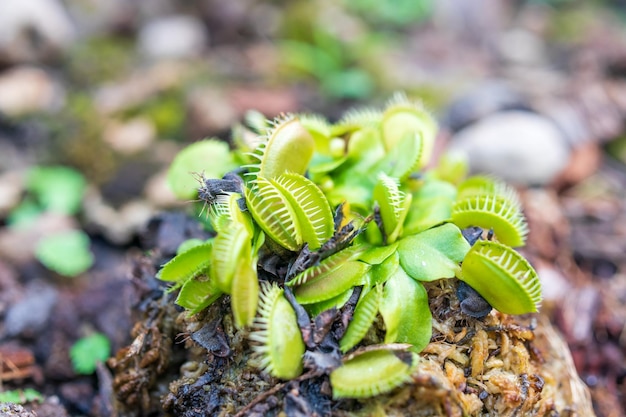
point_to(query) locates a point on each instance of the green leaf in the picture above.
(332, 283)
(24, 215)
(226, 211)
(364, 315)
(349, 83)
(327, 265)
(431, 205)
(66, 253)
(188, 264)
(59, 189)
(502, 277)
(18, 396)
(404, 117)
(229, 247)
(88, 351)
(211, 158)
(376, 255)
(404, 308)
(289, 148)
(245, 292)
(273, 213)
(434, 253)
(197, 293)
(339, 301)
(276, 330)
(381, 273)
(393, 204)
(188, 244)
(497, 212)
(310, 206)
(404, 158)
(371, 373)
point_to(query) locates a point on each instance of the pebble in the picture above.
(32, 30)
(175, 36)
(130, 136)
(27, 89)
(520, 147)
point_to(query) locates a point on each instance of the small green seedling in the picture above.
(66, 253)
(283, 256)
(57, 189)
(87, 352)
(60, 190)
(19, 396)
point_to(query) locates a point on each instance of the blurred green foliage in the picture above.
(59, 189)
(397, 13)
(19, 396)
(342, 55)
(166, 110)
(55, 189)
(66, 253)
(99, 59)
(88, 351)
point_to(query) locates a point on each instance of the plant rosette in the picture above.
(347, 265)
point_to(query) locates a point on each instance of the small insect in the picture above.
(472, 303)
(211, 188)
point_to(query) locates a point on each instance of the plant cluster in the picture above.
(327, 232)
(58, 190)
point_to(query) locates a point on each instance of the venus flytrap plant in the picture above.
(286, 261)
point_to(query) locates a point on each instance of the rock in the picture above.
(28, 89)
(173, 37)
(29, 315)
(520, 147)
(33, 30)
(130, 136)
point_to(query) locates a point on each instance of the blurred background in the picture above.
(97, 96)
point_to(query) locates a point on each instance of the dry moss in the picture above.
(499, 365)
